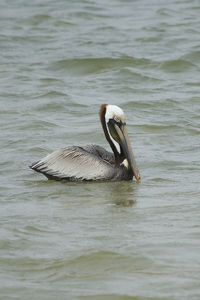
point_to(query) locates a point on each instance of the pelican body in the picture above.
(93, 162)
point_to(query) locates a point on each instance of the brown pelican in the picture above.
(92, 162)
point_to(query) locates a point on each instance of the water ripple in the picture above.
(95, 65)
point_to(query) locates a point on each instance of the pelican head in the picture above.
(114, 126)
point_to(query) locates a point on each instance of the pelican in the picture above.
(93, 162)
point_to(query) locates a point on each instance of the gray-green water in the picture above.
(59, 61)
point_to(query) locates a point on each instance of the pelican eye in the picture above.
(115, 121)
(119, 123)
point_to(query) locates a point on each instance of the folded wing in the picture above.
(77, 163)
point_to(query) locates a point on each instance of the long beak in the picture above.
(126, 146)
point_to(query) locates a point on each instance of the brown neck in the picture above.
(102, 113)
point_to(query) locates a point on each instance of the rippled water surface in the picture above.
(59, 61)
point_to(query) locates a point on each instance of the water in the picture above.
(59, 61)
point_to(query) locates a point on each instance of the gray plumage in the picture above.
(75, 163)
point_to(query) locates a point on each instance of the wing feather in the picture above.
(77, 163)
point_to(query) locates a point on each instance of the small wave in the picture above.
(63, 23)
(84, 66)
(104, 262)
(57, 104)
(193, 56)
(166, 12)
(151, 104)
(177, 65)
(50, 80)
(52, 94)
(131, 73)
(37, 19)
(36, 149)
(35, 229)
(40, 124)
(159, 127)
(194, 84)
(117, 297)
(161, 180)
